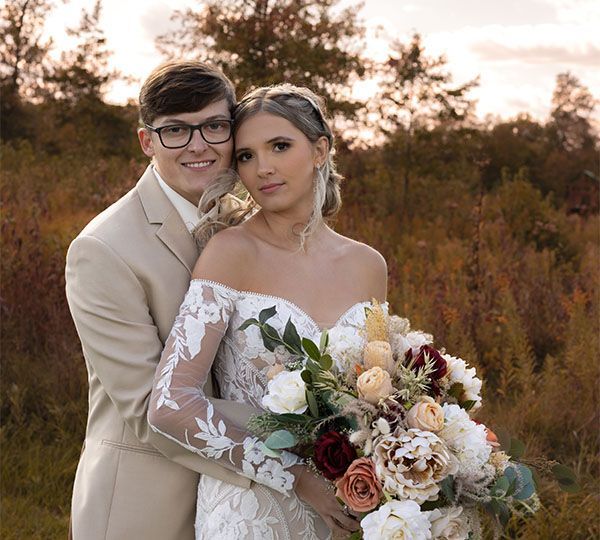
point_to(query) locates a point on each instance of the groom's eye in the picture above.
(217, 127)
(174, 130)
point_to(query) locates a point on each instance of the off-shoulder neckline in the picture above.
(288, 302)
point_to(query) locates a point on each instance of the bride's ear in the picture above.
(320, 152)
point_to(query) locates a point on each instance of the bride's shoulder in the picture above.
(222, 259)
(369, 266)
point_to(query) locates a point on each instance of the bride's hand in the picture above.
(316, 491)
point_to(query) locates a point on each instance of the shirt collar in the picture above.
(187, 211)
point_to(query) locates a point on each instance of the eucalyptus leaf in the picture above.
(270, 337)
(324, 342)
(566, 478)
(291, 338)
(280, 439)
(447, 486)
(326, 362)
(267, 451)
(501, 486)
(517, 448)
(306, 376)
(247, 323)
(311, 349)
(266, 314)
(312, 404)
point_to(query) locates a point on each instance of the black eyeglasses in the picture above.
(179, 135)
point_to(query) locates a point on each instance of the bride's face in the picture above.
(276, 162)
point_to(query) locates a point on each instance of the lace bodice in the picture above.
(206, 335)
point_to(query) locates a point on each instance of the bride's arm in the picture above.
(180, 410)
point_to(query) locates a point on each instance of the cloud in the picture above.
(588, 55)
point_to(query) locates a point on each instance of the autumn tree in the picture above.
(417, 94)
(262, 42)
(83, 73)
(572, 109)
(23, 61)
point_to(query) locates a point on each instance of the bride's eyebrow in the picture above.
(279, 138)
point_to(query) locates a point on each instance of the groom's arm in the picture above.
(121, 341)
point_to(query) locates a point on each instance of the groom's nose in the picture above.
(197, 143)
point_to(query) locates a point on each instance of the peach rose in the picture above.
(426, 415)
(379, 354)
(359, 487)
(374, 384)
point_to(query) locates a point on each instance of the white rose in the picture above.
(397, 520)
(402, 343)
(345, 347)
(286, 393)
(459, 373)
(466, 439)
(448, 523)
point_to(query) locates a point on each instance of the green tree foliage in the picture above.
(262, 42)
(572, 109)
(23, 63)
(83, 73)
(417, 94)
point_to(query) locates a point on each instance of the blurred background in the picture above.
(468, 135)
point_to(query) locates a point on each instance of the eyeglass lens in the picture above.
(180, 135)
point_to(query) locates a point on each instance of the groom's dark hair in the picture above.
(180, 87)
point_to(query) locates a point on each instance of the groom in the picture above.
(126, 275)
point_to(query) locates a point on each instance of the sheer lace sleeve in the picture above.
(180, 410)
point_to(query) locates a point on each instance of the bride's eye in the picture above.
(281, 146)
(244, 156)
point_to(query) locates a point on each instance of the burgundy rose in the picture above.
(333, 454)
(440, 367)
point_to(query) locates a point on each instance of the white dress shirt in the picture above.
(187, 211)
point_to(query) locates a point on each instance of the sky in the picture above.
(515, 47)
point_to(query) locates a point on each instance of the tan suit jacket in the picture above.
(127, 273)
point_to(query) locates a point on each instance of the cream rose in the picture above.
(426, 414)
(374, 384)
(401, 520)
(448, 524)
(286, 393)
(379, 354)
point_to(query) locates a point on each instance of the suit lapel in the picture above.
(159, 210)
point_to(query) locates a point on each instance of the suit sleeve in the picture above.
(119, 337)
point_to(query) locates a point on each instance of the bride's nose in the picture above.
(265, 167)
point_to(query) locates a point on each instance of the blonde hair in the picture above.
(305, 111)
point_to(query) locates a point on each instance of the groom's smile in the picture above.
(190, 169)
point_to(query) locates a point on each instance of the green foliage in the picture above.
(258, 43)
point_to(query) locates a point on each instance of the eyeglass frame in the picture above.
(193, 127)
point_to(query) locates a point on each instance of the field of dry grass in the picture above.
(504, 280)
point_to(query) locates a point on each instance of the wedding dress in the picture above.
(206, 334)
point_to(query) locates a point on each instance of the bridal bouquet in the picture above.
(387, 418)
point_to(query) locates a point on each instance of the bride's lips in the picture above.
(270, 188)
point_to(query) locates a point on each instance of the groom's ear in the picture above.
(145, 138)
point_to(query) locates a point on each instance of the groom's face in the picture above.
(189, 170)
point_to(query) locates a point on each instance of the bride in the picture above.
(284, 255)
